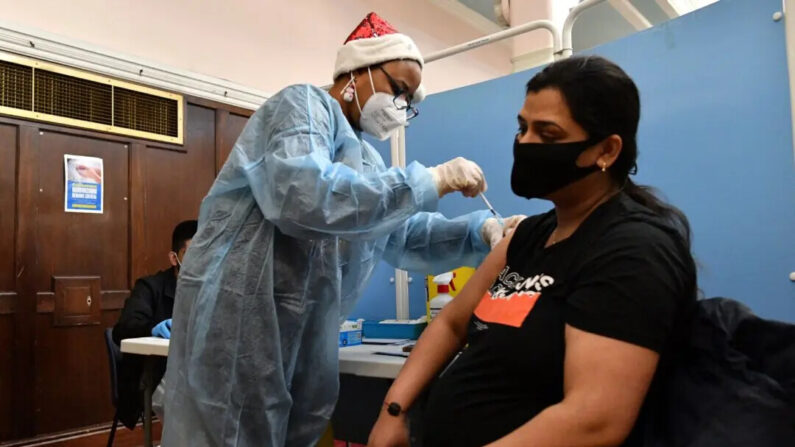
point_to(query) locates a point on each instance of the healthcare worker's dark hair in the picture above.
(604, 100)
(183, 232)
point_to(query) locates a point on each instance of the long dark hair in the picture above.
(604, 100)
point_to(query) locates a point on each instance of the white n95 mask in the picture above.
(380, 115)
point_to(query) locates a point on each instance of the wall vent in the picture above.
(58, 94)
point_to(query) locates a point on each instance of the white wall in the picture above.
(259, 43)
(527, 11)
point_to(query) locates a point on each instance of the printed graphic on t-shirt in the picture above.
(480, 326)
(511, 298)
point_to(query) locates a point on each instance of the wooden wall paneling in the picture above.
(221, 149)
(199, 172)
(174, 183)
(109, 319)
(8, 193)
(236, 125)
(45, 302)
(9, 142)
(195, 100)
(8, 302)
(139, 258)
(71, 385)
(114, 299)
(72, 380)
(228, 127)
(123, 139)
(25, 268)
(59, 375)
(6, 376)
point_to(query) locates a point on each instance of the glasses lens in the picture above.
(412, 113)
(400, 102)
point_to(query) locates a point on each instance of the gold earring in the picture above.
(604, 167)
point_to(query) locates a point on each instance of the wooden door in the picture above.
(8, 290)
(83, 262)
(229, 125)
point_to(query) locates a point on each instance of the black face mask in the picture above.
(539, 169)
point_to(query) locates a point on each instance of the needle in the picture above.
(491, 208)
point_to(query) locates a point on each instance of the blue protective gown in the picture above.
(288, 237)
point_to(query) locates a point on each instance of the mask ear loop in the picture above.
(348, 90)
(176, 256)
(356, 94)
(370, 73)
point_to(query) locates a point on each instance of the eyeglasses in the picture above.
(411, 112)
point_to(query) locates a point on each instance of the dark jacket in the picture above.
(733, 386)
(151, 301)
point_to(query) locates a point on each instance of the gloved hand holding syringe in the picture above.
(495, 228)
(466, 176)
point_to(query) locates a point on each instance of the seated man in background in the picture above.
(147, 312)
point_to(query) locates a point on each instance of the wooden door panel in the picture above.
(228, 128)
(9, 142)
(76, 244)
(8, 169)
(6, 376)
(71, 374)
(72, 378)
(173, 184)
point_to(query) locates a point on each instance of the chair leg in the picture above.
(113, 429)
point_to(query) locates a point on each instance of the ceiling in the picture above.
(482, 7)
(601, 23)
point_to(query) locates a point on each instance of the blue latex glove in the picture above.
(162, 329)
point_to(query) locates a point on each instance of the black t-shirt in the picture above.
(623, 274)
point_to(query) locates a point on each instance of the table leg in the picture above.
(148, 390)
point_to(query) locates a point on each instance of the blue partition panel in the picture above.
(715, 138)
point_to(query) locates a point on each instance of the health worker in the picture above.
(289, 235)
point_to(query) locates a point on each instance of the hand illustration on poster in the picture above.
(84, 184)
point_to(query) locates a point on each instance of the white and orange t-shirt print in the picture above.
(512, 297)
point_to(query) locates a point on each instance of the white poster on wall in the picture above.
(84, 184)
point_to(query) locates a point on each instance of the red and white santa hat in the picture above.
(375, 41)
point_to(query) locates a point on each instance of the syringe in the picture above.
(491, 208)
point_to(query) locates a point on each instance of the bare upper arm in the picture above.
(459, 311)
(606, 380)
